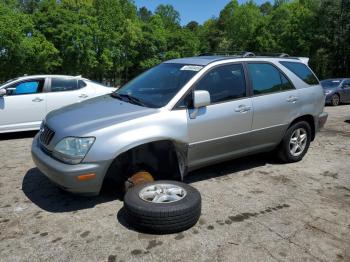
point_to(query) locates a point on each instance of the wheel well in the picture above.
(158, 158)
(310, 120)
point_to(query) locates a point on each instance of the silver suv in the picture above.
(182, 115)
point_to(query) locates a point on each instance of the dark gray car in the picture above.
(336, 90)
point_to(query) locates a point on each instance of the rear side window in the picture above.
(224, 83)
(302, 71)
(63, 84)
(266, 78)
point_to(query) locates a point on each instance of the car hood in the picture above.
(93, 114)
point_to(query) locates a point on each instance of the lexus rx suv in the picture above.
(181, 115)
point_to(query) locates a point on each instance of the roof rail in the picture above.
(244, 54)
(229, 53)
(273, 54)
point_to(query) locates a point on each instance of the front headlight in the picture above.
(72, 150)
(327, 92)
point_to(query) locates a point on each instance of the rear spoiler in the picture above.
(305, 60)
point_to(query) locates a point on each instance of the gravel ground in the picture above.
(254, 209)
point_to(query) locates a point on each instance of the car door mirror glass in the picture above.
(201, 98)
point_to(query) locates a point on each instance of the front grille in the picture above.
(46, 134)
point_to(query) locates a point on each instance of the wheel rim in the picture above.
(298, 142)
(335, 100)
(162, 193)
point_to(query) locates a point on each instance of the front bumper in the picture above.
(322, 119)
(65, 175)
(328, 99)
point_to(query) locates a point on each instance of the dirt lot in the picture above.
(254, 209)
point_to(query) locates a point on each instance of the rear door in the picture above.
(24, 105)
(220, 130)
(275, 102)
(64, 91)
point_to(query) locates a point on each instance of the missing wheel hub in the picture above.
(138, 178)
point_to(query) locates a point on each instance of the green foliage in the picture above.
(23, 49)
(112, 41)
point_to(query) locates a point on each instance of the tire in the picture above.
(165, 217)
(335, 100)
(285, 150)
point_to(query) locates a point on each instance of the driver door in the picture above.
(23, 107)
(220, 130)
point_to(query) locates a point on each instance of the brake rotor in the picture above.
(138, 178)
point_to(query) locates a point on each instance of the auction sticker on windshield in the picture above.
(191, 68)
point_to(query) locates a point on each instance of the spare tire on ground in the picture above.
(162, 207)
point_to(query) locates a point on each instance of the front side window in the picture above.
(224, 83)
(157, 86)
(302, 71)
(266, 78)
(26, 87)
(63, 84)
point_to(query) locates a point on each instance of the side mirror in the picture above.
(2, 92)
(201, 98)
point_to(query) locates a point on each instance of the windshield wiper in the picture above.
(115, 95)
(129, 98)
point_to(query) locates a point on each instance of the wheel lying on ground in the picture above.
(162, 207)
(295, 142)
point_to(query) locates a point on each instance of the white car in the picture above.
(25, 101)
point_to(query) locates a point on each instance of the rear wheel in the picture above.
(335, 100)
(295, 143)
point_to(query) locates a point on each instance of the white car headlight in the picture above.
(327, 92)
(72, 150)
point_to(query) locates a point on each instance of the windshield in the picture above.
(330, 83)
(157, 86)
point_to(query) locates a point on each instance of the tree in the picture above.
(193, 26)
(170, 17)
(239, 24)
(144, 14)
(266, 8)
(23, 50)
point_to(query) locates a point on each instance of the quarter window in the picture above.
(81, 84)
(224, 83)
(63, 84)
(266, 78)
(302, 71)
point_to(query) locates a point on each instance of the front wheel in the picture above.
(162, 207)
(295, 143)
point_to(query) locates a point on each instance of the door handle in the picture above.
(37, 99)
(83, 96)
(242, 109)
(292, 99)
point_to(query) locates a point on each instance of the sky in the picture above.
(197, 10)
